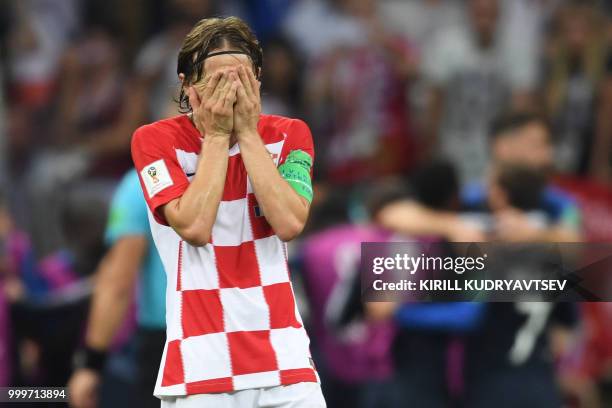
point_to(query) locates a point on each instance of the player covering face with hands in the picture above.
(226, 100)
(226, 187)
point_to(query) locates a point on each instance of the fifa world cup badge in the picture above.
(153, 173)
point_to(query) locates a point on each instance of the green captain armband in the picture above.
(296, 171)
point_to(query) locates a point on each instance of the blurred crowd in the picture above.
(461, 120)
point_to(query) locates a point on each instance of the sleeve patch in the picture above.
(156, 177)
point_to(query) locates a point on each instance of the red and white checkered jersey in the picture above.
(232, 319)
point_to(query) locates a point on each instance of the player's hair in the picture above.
(436, 185)
(208, 35)
(524, 185)
(383, 193)
(508, 122)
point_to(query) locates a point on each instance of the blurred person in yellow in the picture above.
(226, 187)
(131, 259)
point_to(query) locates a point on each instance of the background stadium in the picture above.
(401, 97)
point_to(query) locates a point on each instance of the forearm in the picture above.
(558, 233)
(114, 290)
(283, 208)
(409, 217)
(193, 215)
(109, 308)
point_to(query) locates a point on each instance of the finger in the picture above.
(226, 96)
(211, 84)
(246, 82)
(230, 97)
(194, 99)
(241, 93)
(218, 89)
(255, 84)
(225, 89)
(224, 83)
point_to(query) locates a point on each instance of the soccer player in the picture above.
(227, 187)
(131, 258)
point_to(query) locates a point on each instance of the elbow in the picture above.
(196, 237)
(289, 230)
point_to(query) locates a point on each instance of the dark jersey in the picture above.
(515, 335)
(508, 360)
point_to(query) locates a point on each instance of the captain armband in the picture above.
(296, 171)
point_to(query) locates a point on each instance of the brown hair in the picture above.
(210, 34)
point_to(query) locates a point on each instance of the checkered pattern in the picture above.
(232, 320)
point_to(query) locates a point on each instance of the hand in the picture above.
(213, 107)
(83, 388)
(248, 106)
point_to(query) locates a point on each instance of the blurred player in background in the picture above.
(506, 343)
(524, 139)
(516, 138)
(226, 187)
(511, 352)
(131, 258)
(427, 348)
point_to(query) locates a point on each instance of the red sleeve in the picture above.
(299, 137)
(161, 176)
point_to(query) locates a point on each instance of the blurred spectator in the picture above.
(474, 75)
(422, 20)
(282, 79)
(334, 28)
(154, 78)
(266, 17)
(98, 111)
(39, 31)
(91, 99)
(574, 73)
(85, 140)
(357, 97)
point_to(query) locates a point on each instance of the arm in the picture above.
(515, 226)
(558, 233)
(285, 210)
(409, 217)
(193, 214)
(116, 277)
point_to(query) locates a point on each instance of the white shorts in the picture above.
(300, 395)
